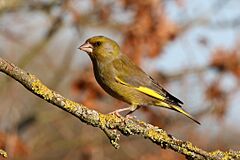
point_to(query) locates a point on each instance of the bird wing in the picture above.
(129, 74)
(133, 76)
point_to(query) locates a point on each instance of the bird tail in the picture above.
(178, 109)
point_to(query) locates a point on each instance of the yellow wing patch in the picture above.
(142, 89)
(150, 92)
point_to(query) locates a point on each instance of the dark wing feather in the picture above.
(167, 94)
(135, 76)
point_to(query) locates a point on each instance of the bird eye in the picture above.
(97, 44)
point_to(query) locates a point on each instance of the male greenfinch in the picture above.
(124, 80)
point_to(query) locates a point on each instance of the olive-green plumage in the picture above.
(124, 80)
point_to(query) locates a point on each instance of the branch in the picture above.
(110, 123)
(3, 153)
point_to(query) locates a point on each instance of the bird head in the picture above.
(100, 47)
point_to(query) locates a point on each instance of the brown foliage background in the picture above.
(192, 48)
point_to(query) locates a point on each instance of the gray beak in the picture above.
(86, 47)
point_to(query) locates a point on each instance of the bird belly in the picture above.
(115, 91)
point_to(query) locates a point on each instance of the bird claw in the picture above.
(130, 117)
(115, 113)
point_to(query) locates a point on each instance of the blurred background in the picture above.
(191, 47)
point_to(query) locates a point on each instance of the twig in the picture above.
(3, 153)
(109, 123)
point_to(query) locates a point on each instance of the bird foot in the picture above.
(130, 116)
(117, 112)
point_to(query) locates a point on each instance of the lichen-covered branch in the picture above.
(110, 123)
(3, 153)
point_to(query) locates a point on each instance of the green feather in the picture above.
(124, 80)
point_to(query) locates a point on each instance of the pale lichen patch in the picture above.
(42, 90)
(70, 105)
(225, 155)
(3, 153)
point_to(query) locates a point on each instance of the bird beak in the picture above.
(87, 47)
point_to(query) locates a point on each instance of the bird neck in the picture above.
(101, 59)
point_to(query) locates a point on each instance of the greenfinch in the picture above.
(124, 80)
